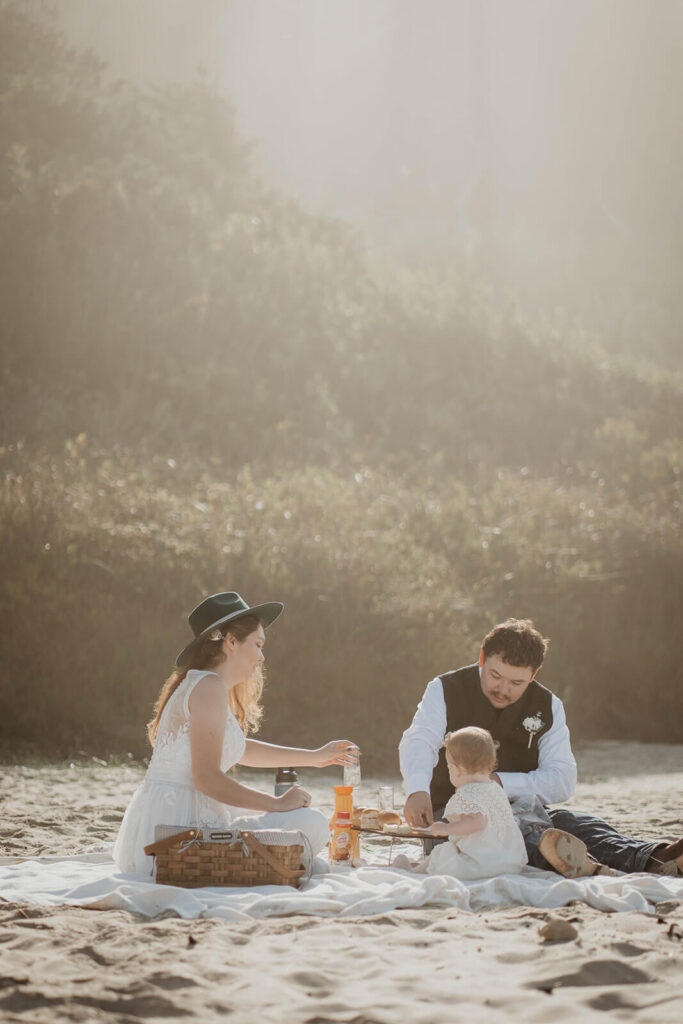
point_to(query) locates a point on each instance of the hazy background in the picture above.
(373, 307)
(538, 143)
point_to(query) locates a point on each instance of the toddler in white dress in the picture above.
(483, 837)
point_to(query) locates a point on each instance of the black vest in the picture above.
(467, 705)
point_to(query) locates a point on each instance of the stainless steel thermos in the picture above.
(284, 780)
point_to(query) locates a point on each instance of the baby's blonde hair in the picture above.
(471, 749)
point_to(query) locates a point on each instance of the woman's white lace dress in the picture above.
(497, 850)
(168, 796)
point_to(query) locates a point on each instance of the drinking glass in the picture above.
(352, 775)
(385, 798)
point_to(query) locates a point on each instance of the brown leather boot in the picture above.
(568, 855)
(667, 859)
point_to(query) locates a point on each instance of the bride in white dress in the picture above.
(203, 715)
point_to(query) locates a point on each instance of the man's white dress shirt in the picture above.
(553, 781)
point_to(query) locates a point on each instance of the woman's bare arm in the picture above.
(209, 703)
(258, 754)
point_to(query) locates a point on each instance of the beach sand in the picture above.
(423, 966)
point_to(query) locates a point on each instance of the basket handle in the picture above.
(258, 848)
(166, 844)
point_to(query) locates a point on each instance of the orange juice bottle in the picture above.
(354, 851)
(341, 836)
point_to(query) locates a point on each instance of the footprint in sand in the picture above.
(92, 954)
(599, 972)
(607, 1001)
(627, 949)
(20, 1001)
(172, 981)
(137, 1006)
(311, 980)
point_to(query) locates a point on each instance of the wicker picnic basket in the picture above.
(193, 858)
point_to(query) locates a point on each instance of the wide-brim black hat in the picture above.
(215, 611)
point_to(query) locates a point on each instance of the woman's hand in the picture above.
(336, 752)
(293, 799)
(439, 828)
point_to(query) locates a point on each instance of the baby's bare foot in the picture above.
(402, 862)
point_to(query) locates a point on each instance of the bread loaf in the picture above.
(370, 818)
(389, 818)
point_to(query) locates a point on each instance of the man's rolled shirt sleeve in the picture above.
(555, 778)
(420, 744)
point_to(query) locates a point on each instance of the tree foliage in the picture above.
(162, 308)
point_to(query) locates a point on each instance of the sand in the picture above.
(428, 965)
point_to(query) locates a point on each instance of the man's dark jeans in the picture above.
(603, 842)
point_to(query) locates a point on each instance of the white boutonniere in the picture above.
(533, 725)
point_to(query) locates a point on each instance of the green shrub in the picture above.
(386, 584)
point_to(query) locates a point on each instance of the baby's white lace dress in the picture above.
(497, 850)
(168, 796)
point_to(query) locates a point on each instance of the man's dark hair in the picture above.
(518, 643)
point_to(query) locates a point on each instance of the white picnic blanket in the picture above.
(93, 881)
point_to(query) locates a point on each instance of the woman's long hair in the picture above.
(244, 699)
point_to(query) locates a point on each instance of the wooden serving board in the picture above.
(415, 834)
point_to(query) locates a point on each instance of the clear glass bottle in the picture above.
(352, 773)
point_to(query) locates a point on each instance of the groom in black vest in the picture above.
(536, 766)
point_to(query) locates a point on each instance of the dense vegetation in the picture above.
(203, 386)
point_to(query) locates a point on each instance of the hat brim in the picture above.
(266, 613)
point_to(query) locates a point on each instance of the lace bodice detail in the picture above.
(497, 849)
(482, 798)
(171, 760)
